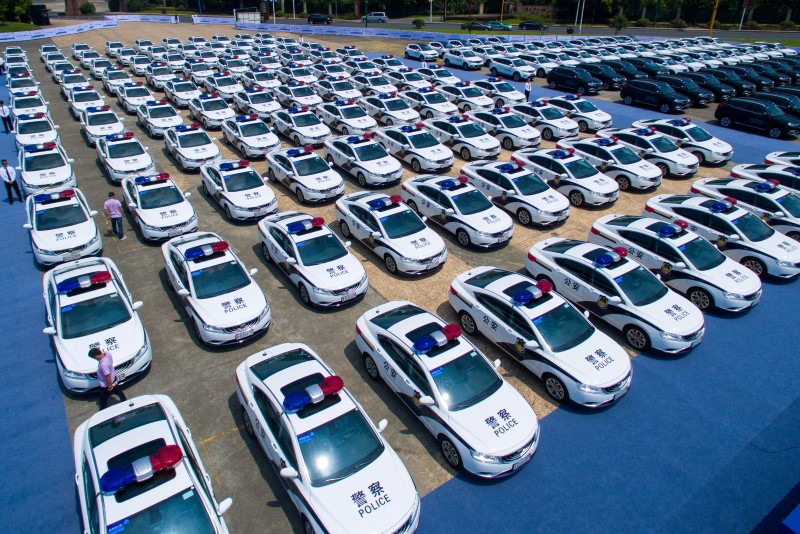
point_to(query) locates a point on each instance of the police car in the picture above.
(388, 109)
(389, 63)
(44, 166)
(372, 83)
(296, 57)
(359, 65)
(787, 176)
(364, 158)
(161, 210)
(155, 116)
(620, 291)
(225, 305)
(236, 66)
(296, 73)
(656, 149)
(547, 119)
(211, 110)
(142, 45)
(686, 262)
(47, 49)
(223, 85)
(570, 175)
(465, 59)
(190, 146)
(408, 79)
(482, 423)
(88, 305)
(125, 55)
(783, 158)
(347, 117)
(68, 81)
(336, 89)
(545, 333)
(507, 127)
(28, 102)
(52, 58)
(97, 123)
(519, 191)
(691, 138)
(438, 75)
(260, 78)
(238, 189)
(197, 71)
(429, 103)
(460, 208)
(81, 98)
(180, 91)
(157, 74)
(250, 135)
(349, 51)
(328, 71)
(300, 125)
(61, 227)
(123, 155)
(175, 62)
(511, 67)
(465, 137)
(324, 55)
(417, 147)
(339, 472)
(584, 113)
(256, 100)
(58, 70)
(466, 97)
(420, 52)
(269, 62)
(139, 64)
(500, 91)
(77, 48)
(132, 95)
(35, 129)
(391, 230)
(305, 174)
(295, 94)
(617, 161)
(97, 67)
(114, 79)
(23, 81)
(738, 234)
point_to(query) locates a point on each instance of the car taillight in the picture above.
(649, 209)
(531, 257)
(595, 231)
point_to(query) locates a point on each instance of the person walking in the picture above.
(9, 176)
(5, 114)
(106, 376)
(113, 210)
(423, 64)
(528, 87)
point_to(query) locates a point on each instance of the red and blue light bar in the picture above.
(205, 250)
(297, 400)
(140, 470)
(84, 281)
(44, 197)
(439, 338)
(308, 224)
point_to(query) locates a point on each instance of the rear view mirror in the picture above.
(382, 424)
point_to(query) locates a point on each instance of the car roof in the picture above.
(198, 239)
(284, 219)
(647, 225)
(697, 201)
(586, 253)
(506, 284)
(81, 268)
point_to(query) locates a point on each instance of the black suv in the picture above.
(647, 66)
(789, 104)
(787, 90)
(762, 82)
(319, 18)
(708, 82)
(784, 67)
(623, 68)
(689, 89)
(532, 25)
(604, 73)
(768, 72)
(573, 79)
(743, 87)
(653, 93)
(756, 114)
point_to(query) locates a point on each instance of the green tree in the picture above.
(618, 22)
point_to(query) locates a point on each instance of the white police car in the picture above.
(157, 74)
(97, 123)
(549, 120)
(88, 305)
(656, 149)
(739, 234)
(238, 189)
(465, 137)
(570, 175)
(156, 116)
(236, 66)
(28, 102)
(175, 62)
(305, 174)
(420, 52)
(616, 160)
(429, 103)
(296, 73)
(511, 67)
(180, 91)
(296, 57)
(225, 305)
(114, 79)
(519, 191)
(691, 138)
(346, 116)
(250, 135)
(389, 63)
(507, 127)
(159, 208)
(223, 85)
(98, 66)
(190, 146)
(787, 176)
(197, 71)
(349, 51)
(142, 45)
(328, 71)
(35, 129)
(139, 64)
(136, 467)
(339, 472)
(260, 78)
(783, 157)
(324, 55)
(123, 155)
(620, 291)
(460, 208)
(211, 110)
(256, 100)
(466, 97)
(392, 231)
(372, 83)
(77, 48)
(44, 166)
(388, 109)
(500, 91)
(685, 261)
(416, 146)
(125, 55)
(585, 113)
(336, 89)
(438, 75)
(359, 65)
(300, 125)
(482, 423)
(61, 227)
(545, 333)
(297, 94)
(465, 59)
(408, 79)
(24, 81)
(364, 158)
(132, 95)
(81, 98)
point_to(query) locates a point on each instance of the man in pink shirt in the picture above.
(114, 212)
(106, 376)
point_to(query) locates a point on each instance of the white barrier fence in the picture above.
(132, 17)
(47, 33)
(199, 19)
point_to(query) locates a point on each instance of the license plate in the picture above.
(261, 212)
(520, 463)
(71, 257)
(173, 233)
(243, 335)
(120, 377)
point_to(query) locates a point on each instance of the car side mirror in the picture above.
(138, 304)
(615, 300)
(253, 271)
(289, 472)
(183, 292)
(426, 400)
(563, 176)
(496, 363)
(679, 265)
(291, 261)
(224, 506)
(424, 218)
(93, 213)
(70, 160)
(586, 313)
(50, 331)
(649, 150)
(18, 168)
(348, 244)
(57, 126)
(132, 205)
(147, 149)
(382, 424)
(449, 211)
(532, 345)
(217, 188)
(187, 194)
(734, 237)
(27, 226)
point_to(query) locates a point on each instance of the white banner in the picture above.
(199, 19)
(47, 33)
(132, 17)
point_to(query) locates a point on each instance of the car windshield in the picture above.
(214, 105)
(423, 140)
(242, 180)
(102, 119)
(162, 112)
(85, 96)
(663, 145)
(255, 128)
(22, 103)
(563, 328)
(470, 130)
(302, 91)
(698, 134)
(625, 155)
(318, 250)
(353, 112)
(666, 90)
(580, 168)
(470, 202)
(471, 92)
(200, 67)
(43, 162)
(790, 203)
(752, 227)
(118, 75)
(306, 119)
(172, 58)
(54, 217)
(160, 197)
(308, 166)
(226, 81)
(641, 286)
(512, 121)
(339, 448)
(465, 381)
(261, 98)
(402, 224)
(93, 315)
(377, 81)
(125, 150)
(31, 127)
(702, 254)
(193, 139)
(530, 184)
(585, 106)
(370, 151)
(235, 63)
(26, 83)
(503, 87)
(219, 279)
(551, 113)
(184, 87)
(395, 104)
(434, 98)
(162, 71)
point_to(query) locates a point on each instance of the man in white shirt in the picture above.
(5, 114)
(528, 88)
(9, 176)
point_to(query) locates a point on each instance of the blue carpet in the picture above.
(37, 488)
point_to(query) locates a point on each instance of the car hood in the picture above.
(312, 131)
(486, 142)
(743, 283)
(252, 198)
(420, 245)
(563, 123)
(232, 309)
(67, 237)
(672, 313)
(123, 341)
(337, 274)
(779, 246)
(406, 115)
(37, 138)
(599, 183)
(364, 123)
(167, 215)
(219, 114)
(58, 174)
(492, 220)
(200, 152)
(107, 129)
(433, 153)
(599, 361)
(325, 180)
(130, 163)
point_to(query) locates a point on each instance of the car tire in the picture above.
(271, 176)
(583, 126)
(794, 235)
(628, 101)
(389, 122)
(467, 108)
(463, 238)
(500, 103)
(576, 198)
(391, 264)
(429, 115)
(493, 72)
(555, 387)
(372, 368)
(450, 453)
(516, 77)
(547, 134)
(465, 154)
(447, 63)
(468, 324)
(664, 108)
(755, 265)
(637, 338)
(775, 133)
(700, 298)
(413, 206)
(204, 189)
(345, 131)
(362, 180)
(664, 168)
(524, 217)
(301, 199)
(508, 143)
(307, 528)
(296, 141)
(228, 214)
(604, 86)
(581, 90)
(345, 229)
(405, 55)
(624, 182)
(415, 166)
(541, 73)
(265, 253)
(552, 85)
(700, 157)
(304, 296)
(248, 424)
(725, 122)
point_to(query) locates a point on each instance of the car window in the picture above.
(285, 443)
(575, 268)
(698, 216)
(602, 282)
(270, 416)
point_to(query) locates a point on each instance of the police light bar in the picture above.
(83, 281)
(132, 84)
(440, 338)
(119, 137)
(680, 122)
(39, 147)
(140, 470)
(66, 193)
(349, 47)
(498, 111)
(407, 69)
(387, 56)
(607, 141)
(295, 83)
(612, 256)
(297, 400)
(294, 152)
(229, 165)
(387, 95)
(26, 116)
(297, 110)
(243, 118)
(571, 97)
(144, 180)
(156, 102)
(22, 74)
(185, 128)
(84, 88)
(495, 79)
(540, 102)
(24, 93)
(509, 167)
(560, 154)
(359, 138)
(764, 187)
(308, 224)
(208, 249)
(774, 182)
(462, 84)
(92, 109)
(720, 206)
(458, 119)
(534, 292)
(206, 97)
(644, 131)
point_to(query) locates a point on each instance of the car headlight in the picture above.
(485, 458)
(192, 219)
(141, 352)
(735, 296)
(76, 376)
(321, 291)
(213, 329)
(718, 154)
(263, 313)
(786, 263)
(588, 388)
(483, 234)
(94, 240)
(670, 336)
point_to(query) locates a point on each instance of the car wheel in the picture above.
(415, 165)
(516, 77)
(775, 133)
(371, 368)
(541, 74)
(493, 72)
(691, 103)
(604, 86)
(755, 265)
(300, 196)
(524, 217)
(205, 124)
(450, 453)
(362, 180)
(552, 85)
(344, 228)
(307, 528)
(265, 253)
(446, 62)
(204, 189)
(271, 176)
(547, 134)
(664, 168)
(636, 338)
(699, 155)
(304, 296)
(151, 132)
(624, 182)
(582, 126)
(463, 237)
(405, 55)
(468, 324)
(330, 160)
(248, 424)
(664, 108)
(576, 198)
(228, 213)
(555, 388)
(467, 108)
(725, 122)
(391, 265)
(429, 114)
(700, 298)
(500, 102)
(225, 139)
(345, 131)
(413, 206)
(389, 122)
(627, 101)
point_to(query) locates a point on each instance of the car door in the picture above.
(405, 376)
(487, 181)
(282, 169)
(429, 203)
(343, 155)
(642, 248)
(176, 272)
(575, 283)
(214, 184)
(281, 250)
(265, 425)
(698, 221)
(364, 225)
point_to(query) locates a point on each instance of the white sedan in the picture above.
(346, 116)
(465, 137)
(190, 146)
(122, 155)
(305, 173)
(300, 125)
(417, 147)
(43, 167)
(159, 208)
(363, 158)
(156, 116)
